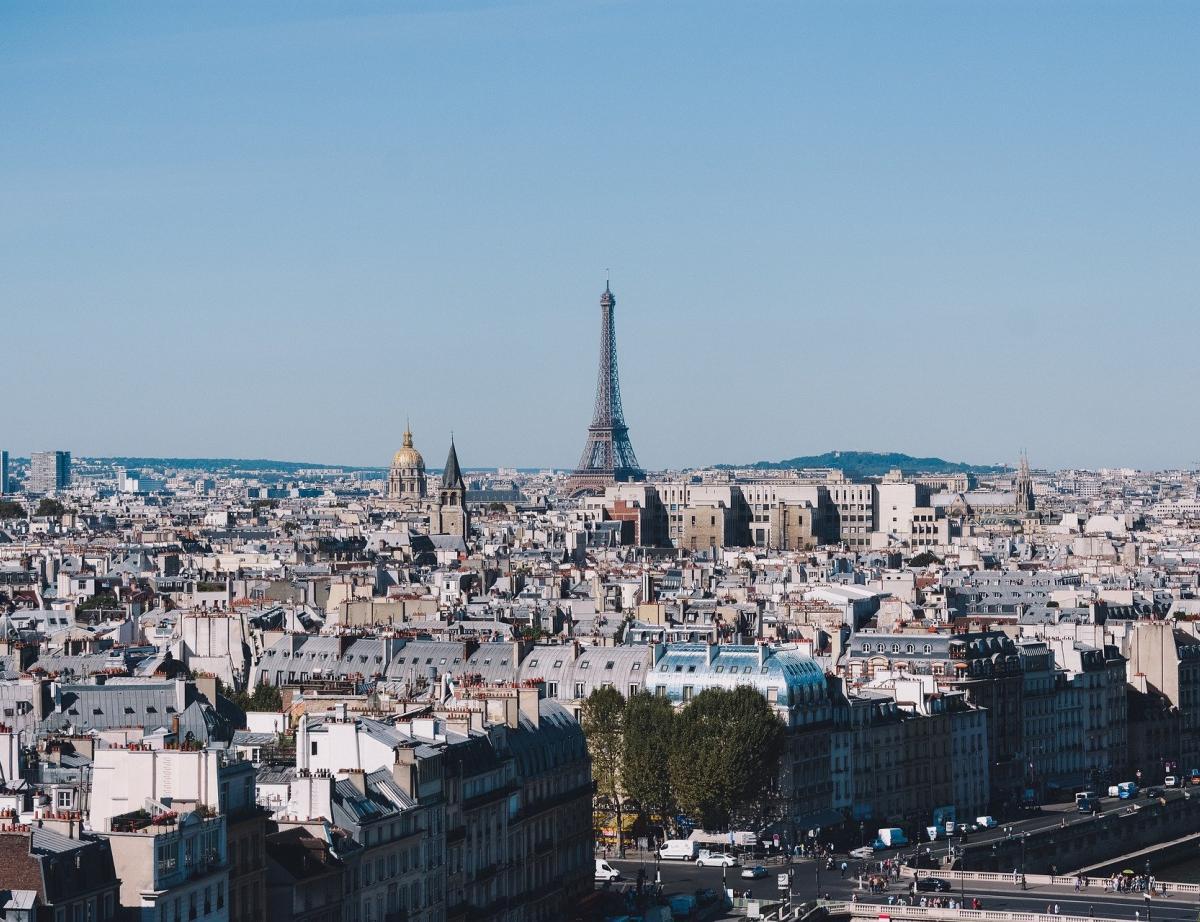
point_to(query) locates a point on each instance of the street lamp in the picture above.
(1148, 890)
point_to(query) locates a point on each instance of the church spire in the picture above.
(452, 478)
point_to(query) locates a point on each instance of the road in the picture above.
(1051, 815)
(1105, 905)
(685, 877)
(810, 882)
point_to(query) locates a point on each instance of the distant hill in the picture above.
(873, 464)
(240, 465)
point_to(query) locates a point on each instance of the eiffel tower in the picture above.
(608, 454)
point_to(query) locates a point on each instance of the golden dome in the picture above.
(408, 458)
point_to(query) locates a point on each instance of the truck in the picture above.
(679, 850)
(890, 837)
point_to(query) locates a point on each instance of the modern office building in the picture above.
(49, 471)
(3, 472)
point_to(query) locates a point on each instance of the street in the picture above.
(1052, 815)
(686, 877)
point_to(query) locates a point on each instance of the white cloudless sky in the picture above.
(278, 230)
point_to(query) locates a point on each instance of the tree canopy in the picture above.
(10, 509)
(717, 760)
(725, 756)
(50, 507)
(603, 722)
(649, 725)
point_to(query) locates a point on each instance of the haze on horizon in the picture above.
(278, 231)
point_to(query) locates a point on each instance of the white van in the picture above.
(986, 822)
(679, 850)
(605, 871)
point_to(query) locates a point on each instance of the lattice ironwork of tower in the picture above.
(608, 454)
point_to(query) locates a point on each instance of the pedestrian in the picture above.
(844, 866)
(1056, 908)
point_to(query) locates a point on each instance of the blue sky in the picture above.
(279, 229)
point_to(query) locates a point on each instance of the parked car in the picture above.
(1171, 781)
(862, 853)
(757, 872)
(1155, 792)
(933, 885)
(716, 860)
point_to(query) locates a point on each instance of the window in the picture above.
(533, 662)
(557, 663)
(552, 689)
(584, 665)
(610, 664)
(633, 690)
(64, 798)
(578, 689)
(687, 693)
(312, 748)
(637, 667)
(660, 690)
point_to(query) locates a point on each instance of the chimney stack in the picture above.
(404, 771)
(528, 696)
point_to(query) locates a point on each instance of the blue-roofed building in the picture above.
(793, 684)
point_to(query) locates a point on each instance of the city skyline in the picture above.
(941, 230)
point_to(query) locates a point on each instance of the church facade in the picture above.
(408, 488)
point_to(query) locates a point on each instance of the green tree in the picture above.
(603, 722)
(725, 757)
(266, 698)
(924, 559)
(649, 725)
(240, 698)
(11, 510)
(101, 601)
(50, 507)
